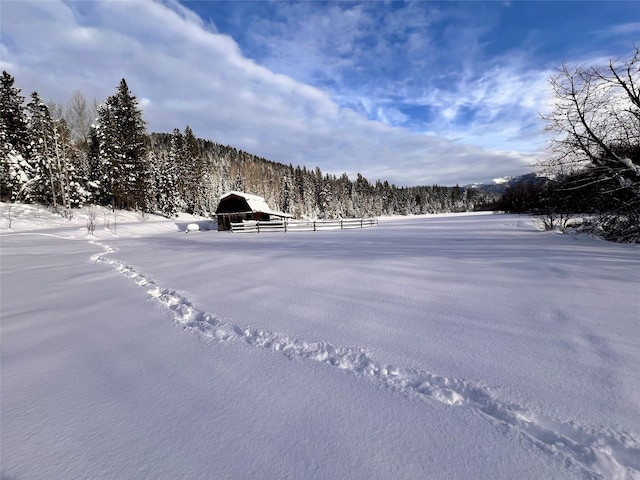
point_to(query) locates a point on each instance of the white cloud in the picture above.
(395, 63)
(623, 29)
(186, 73)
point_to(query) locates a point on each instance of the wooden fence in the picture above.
(257, 226)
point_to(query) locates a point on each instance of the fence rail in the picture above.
(256, 226)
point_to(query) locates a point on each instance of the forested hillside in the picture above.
(67, 156)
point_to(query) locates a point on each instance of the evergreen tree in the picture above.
(15, 173)
(239, 183)
(93, 175)
(191, 147)
(93, 156)
(185, 154)
(177, 161)
(165, 188)
(287, 198)
(13, 121)
(41, 153)
(124, 164)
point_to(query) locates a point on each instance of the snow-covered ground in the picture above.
(457, 347)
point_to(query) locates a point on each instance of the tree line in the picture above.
(88, 153)
(84, 153)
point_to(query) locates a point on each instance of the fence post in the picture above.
(341, 227)
(314, 225)
(258, 225)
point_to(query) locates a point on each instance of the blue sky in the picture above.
(409, 92)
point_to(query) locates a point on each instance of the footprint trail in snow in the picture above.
(598, 452)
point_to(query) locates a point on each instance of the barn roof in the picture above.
(256, 203)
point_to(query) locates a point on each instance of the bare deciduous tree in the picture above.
(9, 217)
(596, 119)
(80, 115)
(91, 221)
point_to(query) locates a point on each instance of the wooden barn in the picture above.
(239, 206)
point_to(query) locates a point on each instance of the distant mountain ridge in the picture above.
(499, 186)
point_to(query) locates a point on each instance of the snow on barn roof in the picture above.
(256, 203)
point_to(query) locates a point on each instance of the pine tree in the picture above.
(16, 175)
(41, 153)
(176, 160)
(13, 121)
(93, 175)
(165, 184)
(239, 183)
(287, 196)
(185, 154)
(124, 164)
(194, 173)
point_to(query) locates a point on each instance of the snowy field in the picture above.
(436, 347)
